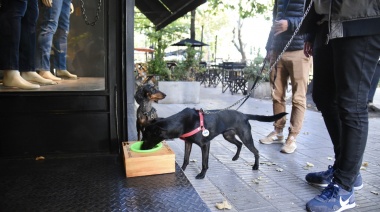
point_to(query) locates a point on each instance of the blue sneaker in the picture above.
(324, 178)
(358, 184)
(332, 198)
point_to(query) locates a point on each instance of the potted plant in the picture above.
(252, 72)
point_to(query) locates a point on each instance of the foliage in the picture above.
(253, 70)
(245, 8)
(186, 70)
(159, 40)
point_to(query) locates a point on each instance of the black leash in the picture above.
(254, 84)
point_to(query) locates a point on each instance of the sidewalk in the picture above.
(279, 184)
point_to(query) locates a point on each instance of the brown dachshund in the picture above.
(144, 96)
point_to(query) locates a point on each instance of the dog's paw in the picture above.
(235, 158)
(255, 167)
(200, 176)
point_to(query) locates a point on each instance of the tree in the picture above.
(159, 40)
(192, 25)
(244, 9)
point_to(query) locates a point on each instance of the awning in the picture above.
(163, 12)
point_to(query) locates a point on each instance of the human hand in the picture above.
(280, 27)
(48, 3)
(71, 8)
(308, 49)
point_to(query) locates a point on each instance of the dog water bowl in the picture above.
(136, 147)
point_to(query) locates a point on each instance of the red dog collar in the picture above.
(198, 129)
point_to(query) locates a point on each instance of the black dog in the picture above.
(226, 122)
(144, 96)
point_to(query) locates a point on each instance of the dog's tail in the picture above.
(266, 118)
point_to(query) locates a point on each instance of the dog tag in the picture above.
(205, 133)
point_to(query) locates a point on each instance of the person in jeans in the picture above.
(18, 44)
(293, 65)
(345, 44)
(55, 23)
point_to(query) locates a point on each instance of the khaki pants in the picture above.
(294, 65)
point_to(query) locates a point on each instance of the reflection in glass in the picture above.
(85, 55)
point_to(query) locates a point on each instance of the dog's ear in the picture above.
(139, 95)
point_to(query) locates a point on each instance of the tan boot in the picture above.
(290, 145)
(273, 138)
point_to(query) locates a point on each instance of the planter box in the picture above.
(137, 164)
(263, 90)
(179, 92)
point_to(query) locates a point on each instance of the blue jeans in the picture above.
(55, 25)
(374, 83)
(343, 71)
(18, 34)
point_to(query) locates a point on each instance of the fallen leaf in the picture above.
(40, 158)
(329, 158)
(193, 160)
(279, 170)
(375, 192)
(365, 164)
(309, 164)
(223, 205)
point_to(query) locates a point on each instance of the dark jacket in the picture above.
(349, 18)
(293, 13)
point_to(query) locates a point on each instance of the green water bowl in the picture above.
(136, 147)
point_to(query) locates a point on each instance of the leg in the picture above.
(324, 88)
(60, 42)
(355, 60)
(246, 137)
(49, 25)
(278, 80)
(205, 154)
(230, 137)
(298, 66)
(186, 159)
(299, 76)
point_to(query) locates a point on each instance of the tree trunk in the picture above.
(239, 44)
(192, 25)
